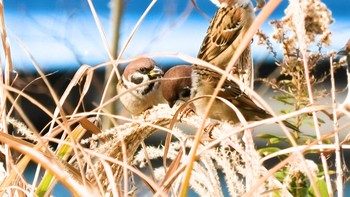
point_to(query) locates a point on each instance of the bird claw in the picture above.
(146, 114)
(210, 127)
(186, 112)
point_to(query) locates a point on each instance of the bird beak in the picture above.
(155, 73)
(171, 104)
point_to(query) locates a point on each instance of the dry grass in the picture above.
(106, 163)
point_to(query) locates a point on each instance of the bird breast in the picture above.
(136, 103)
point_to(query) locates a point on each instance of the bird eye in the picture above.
(143, 70)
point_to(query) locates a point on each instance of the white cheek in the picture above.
(129, 84)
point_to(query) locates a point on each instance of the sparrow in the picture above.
(139, 74)
(176, 84)
(204, 83)
(225, 32)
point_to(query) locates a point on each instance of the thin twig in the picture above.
(103, 35)
(122, 50)
(338, 160)
(5, 43)
(116, 17)
(266, 11)
(135, 28)
(5, 77)
(299, 21)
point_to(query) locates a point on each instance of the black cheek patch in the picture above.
(136, 80)
(148, 89)
(186, 92)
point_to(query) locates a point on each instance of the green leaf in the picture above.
(321, 120)
(265, 136)
(268, 150)
(280, 175)
(322, 187)
(274, 140)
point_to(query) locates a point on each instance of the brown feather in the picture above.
(174, 83)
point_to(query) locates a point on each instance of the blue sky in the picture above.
(61, 34)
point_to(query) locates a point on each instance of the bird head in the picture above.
(176, 84)
(142, 71)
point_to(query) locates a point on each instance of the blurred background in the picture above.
(62, 35)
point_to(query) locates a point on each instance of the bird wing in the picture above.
(222, 32)
(237, 97)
